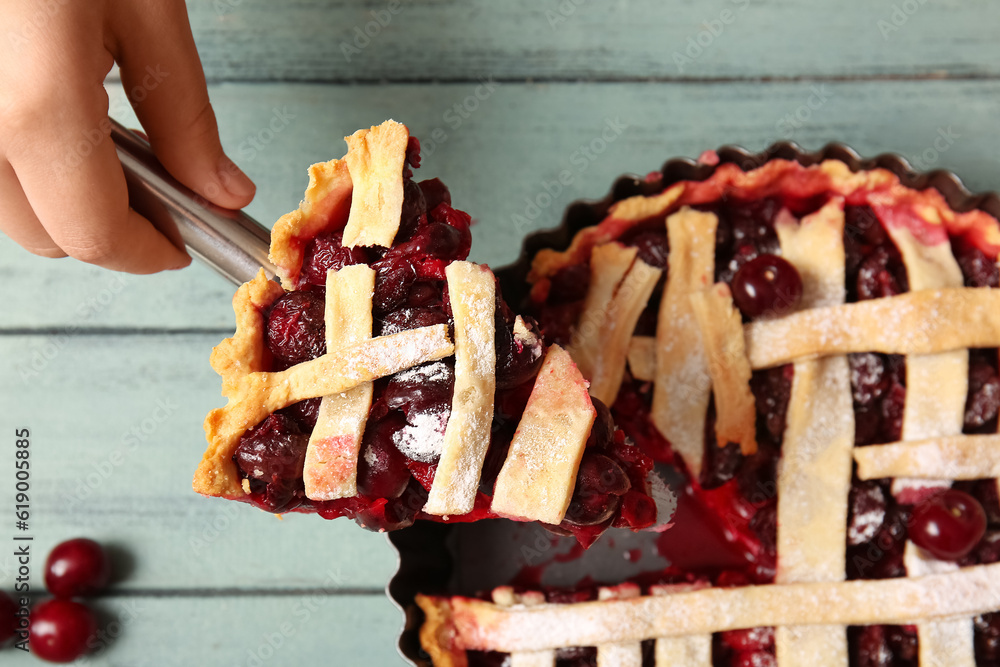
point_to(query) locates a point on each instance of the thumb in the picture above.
(163, 77)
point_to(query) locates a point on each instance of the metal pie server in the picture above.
(231, 242)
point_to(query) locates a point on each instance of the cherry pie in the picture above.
(386, 379)
(818, 349)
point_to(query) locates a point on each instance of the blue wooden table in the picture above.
(110, 372)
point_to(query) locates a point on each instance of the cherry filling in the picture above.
(270, 456)
(988, 639)
(327, 253)
(296, 329)
(404, 433)
(883, 646)
(742, 491)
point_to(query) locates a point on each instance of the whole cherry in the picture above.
(767, 284)
(76, 568)
(60, 630)
(8, 617)
(948, 524)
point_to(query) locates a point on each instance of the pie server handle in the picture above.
(231, 242)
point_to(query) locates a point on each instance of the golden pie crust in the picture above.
(472, 290)
(722, 336)
(676, 359)
(471, 624)
(363, 192)
(539, 475)
(331, 464)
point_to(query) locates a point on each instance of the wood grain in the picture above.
(242, 631)
(424, 40)
(511, 150)
(116, 436)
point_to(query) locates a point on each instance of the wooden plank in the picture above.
(504, 159)
(325, 40)
(249, 631)
(116, 436)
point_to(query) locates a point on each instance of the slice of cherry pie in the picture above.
(386, 379)
(818, 349)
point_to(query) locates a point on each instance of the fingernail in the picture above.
(181, 265)
(234, 180)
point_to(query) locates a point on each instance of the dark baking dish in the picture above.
(426, 551)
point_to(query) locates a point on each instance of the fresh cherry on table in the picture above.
(60, 630)
(8, 617)
(767, 284)
(77, 567)
(948, 524)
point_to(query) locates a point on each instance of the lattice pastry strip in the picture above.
(469, 624)
(722, 335)
(331, 463)
(539, 475)
(375, 159)
(690, 651)
(622, 314)
(373, 167)
(505, 596)
(936, 387)
(621, 284)
(814, 474)
(608, 265)
(472, 290)
(619, 654)
(925, 322)
(953, 457)
(936, 384)
(677, 360)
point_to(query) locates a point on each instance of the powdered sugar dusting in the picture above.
(433, 372)
(683, 385)
(910, 323)
(665, 500)
(814, 478)
(936, 387)
(472, 289)
(539, 475)
(966, 592)
(423, 436)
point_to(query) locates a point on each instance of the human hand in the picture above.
(62, 189)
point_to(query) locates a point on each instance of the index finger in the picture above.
(70, 173)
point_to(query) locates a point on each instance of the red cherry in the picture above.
(60, 630)
(754, 659)
(296, 330)
(753, 639)
(77, 567)
(767, 284)
(948, 524)
(638, 511)
(8, 617)
(382, 471)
